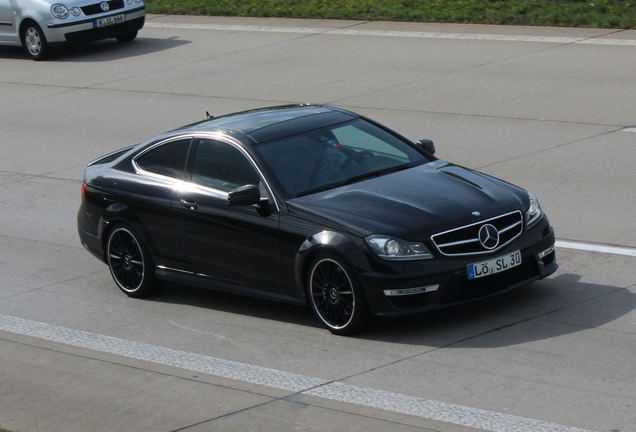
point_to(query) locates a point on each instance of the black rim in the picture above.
(126, 260)
(332, 294)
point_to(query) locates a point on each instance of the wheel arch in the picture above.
(342, 307)
(22, 22)
(117, 214)
(36, 51)
(323, 241)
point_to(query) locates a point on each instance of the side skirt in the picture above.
(204, 281)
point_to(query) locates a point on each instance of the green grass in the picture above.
(572, 13)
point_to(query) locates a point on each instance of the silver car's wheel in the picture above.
(34, 42)
(336, 297)
(129, 262)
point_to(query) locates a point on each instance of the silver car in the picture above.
(39, 25)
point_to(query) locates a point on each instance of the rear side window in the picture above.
(167, 159)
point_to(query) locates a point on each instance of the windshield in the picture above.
(336, 155)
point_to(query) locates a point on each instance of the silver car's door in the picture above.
(8, 32)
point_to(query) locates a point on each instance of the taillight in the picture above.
(83, 190)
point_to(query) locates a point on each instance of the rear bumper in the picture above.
(91, 243)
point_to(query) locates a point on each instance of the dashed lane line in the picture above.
(596, 248)
(336, 391)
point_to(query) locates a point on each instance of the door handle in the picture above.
(191, 205)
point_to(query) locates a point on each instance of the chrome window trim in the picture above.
(185, 185)
(139, 170)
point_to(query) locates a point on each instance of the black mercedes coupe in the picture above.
(314, 205)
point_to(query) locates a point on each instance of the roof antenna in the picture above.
(210, 117)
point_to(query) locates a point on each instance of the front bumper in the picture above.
(84, 30)
(448, 277)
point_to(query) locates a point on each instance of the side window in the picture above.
(221, 166)
(167, 159)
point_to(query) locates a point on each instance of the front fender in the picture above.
(36, 10)
(341, 244)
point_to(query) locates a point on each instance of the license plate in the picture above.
(495, 265)
(109, 21)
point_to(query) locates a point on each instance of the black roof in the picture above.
(266, 124)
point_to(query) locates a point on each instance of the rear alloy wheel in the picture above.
(34, 42)
(336, 296)
(130, 263)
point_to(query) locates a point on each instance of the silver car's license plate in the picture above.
(109, 21)
(494, 265)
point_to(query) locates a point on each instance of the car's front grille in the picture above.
(97, 8)
(465, 240)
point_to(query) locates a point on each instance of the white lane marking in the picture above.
(596, 248)
(448, 413)
(404, 34)
(630, 129)
(336, 391)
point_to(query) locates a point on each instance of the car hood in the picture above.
(412, 204)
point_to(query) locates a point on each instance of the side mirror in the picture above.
(244, 196)
(427, 145)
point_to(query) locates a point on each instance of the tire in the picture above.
(34, 42)
(129, 262)
(335, 295)
(127, 37)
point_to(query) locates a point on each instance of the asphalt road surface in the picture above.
(552, 110)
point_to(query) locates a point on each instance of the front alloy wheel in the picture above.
(336, 297)
(129, 262)
(34, 42)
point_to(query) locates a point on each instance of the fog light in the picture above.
(548, 251)
(410, 291)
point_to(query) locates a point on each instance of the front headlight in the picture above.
(534, 212)
(395, 249)
(59, 11)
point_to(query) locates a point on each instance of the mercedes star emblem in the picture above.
(488, 236)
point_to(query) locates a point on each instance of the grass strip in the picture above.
(572, 13)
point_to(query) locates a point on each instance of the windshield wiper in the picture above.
(381, 172)
(319, 189)
(358, 178)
